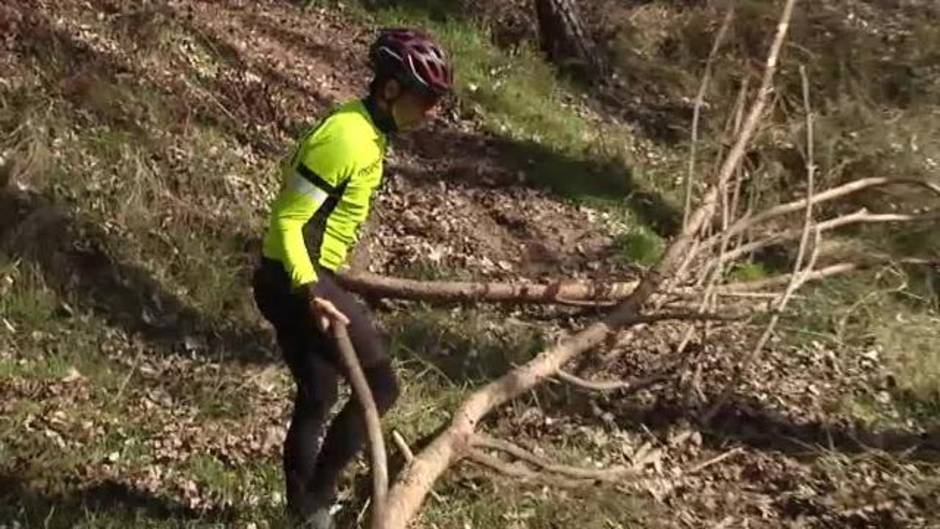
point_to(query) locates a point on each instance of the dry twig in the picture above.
(612, 474)
(861, 216)
(627, 386)
(696, 113)
(714, 461)
(403, 446)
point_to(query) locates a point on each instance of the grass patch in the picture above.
(868, 313)
(503, 503)
(49, 368)
(910, 342)
(25, 300)
(462, 346)
(747, 271)
(641, 246)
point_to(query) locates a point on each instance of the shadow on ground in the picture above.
(116, 502)
(74, 260)
(752, 424)
(493, 161)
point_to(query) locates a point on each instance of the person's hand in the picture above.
(325, 314)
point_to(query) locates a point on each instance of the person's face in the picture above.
(409, 108)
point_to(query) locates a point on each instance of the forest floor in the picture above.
(139, 386)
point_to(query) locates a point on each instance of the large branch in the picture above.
(561, 292)
(409, 492)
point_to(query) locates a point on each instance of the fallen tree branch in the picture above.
(455, 441)
(357, 380)
(455, 292)
(409, 455)
(784, 279)
(561, 292)
(797, 279)
(609, 475)
(748, 288)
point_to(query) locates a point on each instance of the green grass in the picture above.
(747, 271)
(24, 297)
(480, 502)
(462, 346)
(910, 342)
(640, 246)
(869, 314)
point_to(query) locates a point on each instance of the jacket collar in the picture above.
(382, 120)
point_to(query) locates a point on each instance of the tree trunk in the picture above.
(563, 38)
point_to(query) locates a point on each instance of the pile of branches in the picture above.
(688, 283)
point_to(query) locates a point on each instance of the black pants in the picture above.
(315, 365)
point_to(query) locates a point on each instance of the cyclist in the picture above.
(328, 185)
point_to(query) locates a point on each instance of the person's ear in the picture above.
(392, 90)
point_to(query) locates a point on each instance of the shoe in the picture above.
(320, 519)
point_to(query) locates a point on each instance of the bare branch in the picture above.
(800, 273)
(784, 279)
(409, 456)
(828, 195)
(403, 446)
(696, 114)
(739, 177)
(714, 461)
(861, 216)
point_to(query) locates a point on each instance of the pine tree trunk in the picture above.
(563, 38)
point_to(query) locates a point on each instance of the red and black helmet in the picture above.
(413, 58)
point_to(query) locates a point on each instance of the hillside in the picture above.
(139, 141)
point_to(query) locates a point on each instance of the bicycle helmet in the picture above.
(412, 58)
